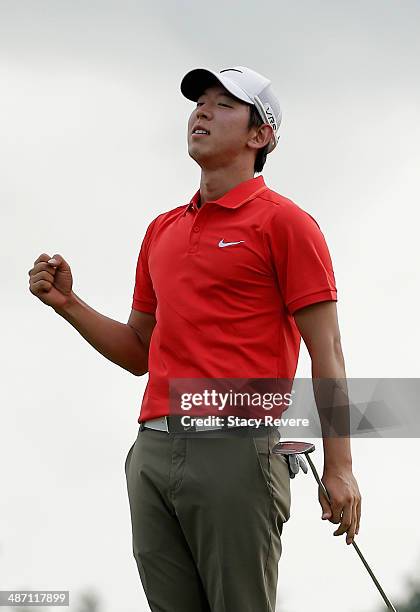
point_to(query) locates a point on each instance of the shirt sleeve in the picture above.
(301, 258)
(144, 298)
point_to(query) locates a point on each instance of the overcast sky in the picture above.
(92, 147)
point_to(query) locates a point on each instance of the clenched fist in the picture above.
(51, 281)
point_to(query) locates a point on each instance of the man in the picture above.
(226, 286)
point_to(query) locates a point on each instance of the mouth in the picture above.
(197, 132)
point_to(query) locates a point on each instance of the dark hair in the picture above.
(255, 121)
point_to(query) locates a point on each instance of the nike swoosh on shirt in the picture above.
(222, 243)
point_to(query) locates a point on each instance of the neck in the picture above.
(216, 182)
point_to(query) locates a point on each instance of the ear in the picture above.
(260, 137)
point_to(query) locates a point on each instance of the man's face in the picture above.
(226, 118)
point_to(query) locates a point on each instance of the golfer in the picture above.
(226, 286)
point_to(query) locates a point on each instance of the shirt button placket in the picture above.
(194, 238)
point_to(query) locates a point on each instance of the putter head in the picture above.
(291, 447)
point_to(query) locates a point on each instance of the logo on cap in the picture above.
(270, 116)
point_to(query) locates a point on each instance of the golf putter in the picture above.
(292, 451)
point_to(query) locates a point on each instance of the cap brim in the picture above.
(196, 81)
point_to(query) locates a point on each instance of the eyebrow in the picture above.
(221, 93)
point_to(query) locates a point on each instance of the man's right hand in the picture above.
(51, 281)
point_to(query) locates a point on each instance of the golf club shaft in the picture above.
(365, 563)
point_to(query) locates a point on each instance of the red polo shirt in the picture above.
(224, 282)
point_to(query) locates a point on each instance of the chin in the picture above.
(198, 156)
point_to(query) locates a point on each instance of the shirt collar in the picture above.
(242, 193)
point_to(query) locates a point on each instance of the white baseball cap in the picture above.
(243, 83)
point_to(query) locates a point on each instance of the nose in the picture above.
(202, 111)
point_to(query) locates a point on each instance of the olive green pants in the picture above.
(207, 513)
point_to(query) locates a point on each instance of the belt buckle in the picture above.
(174, 425)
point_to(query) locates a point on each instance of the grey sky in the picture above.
(93, 147)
